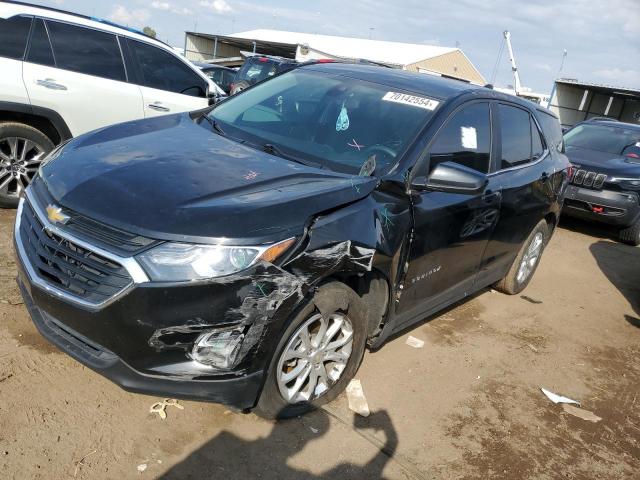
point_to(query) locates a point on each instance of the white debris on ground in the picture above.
(581, 413)
(142, 467)
(357, 400)
(555, 398)
(160, 407)
(414, 342)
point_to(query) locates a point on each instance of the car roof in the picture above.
(10, 8)
(611, 123)
(421, 83)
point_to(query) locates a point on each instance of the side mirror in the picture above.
(452, 178)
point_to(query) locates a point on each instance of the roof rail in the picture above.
(602, 119)
(86, 17)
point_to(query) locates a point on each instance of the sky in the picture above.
(601, 37)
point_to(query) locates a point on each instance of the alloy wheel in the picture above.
(315, 357)
(19, 162)
(530, 258)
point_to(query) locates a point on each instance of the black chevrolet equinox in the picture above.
(248, 253)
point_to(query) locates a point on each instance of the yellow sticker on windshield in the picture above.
(414, 101)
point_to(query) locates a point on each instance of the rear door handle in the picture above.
(491, 196)
(50, 83)
(158, 107)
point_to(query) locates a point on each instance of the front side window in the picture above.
(335, 122)
(13, 36)
(515, 127)
(163, 71)
(465, 139)
(603, 138)
(87, 51)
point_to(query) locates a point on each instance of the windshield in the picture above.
(603, 138)
(332, 121)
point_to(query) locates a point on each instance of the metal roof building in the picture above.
(306, 46)
(574, 101)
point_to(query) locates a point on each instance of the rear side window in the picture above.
(465, 139)
(515, 126)
(13, 36)
(163, 71)
(552, 130)
(40, 48)
(86, 51)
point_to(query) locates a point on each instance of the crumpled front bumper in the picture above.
(240, 392)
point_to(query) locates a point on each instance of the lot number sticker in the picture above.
(469, 138)
(421, 102)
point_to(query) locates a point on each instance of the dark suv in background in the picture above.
(257, 68)
(605, 186)
(247, 253)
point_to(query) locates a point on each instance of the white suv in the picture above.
(64, 74)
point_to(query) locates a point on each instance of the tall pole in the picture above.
(514, 67)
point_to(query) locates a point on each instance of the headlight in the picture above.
(627, 183)
(219, 348)
(177, 262)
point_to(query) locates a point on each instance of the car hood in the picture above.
(173, 178)
(602, 162)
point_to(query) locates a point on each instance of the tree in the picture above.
(149, 31)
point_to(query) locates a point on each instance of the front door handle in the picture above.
(157, 106)
(50, 83)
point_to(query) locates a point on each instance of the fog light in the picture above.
(218, 349)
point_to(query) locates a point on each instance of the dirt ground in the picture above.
(467, 405)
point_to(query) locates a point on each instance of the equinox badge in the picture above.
(55, 215)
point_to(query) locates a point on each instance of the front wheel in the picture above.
(21, 150)
(526, 262)
(318, 354)
(631, 235)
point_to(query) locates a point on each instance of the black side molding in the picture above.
(51, 115)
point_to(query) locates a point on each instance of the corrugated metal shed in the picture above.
(307, 46)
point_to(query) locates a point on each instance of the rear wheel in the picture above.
(526, 262)
(21, 150)
(631, 235)
(318, 355)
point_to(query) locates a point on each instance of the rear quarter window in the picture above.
(13, 36)
(551, 129)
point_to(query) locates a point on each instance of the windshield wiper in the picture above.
(216, 126)
(272, 149)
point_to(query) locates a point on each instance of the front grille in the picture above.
(589, 179)
(67, 266)
(95, 232)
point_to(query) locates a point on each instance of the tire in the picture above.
(335, 300)
(516, 281)
(631, 235)
(240, 86)
(21, 149)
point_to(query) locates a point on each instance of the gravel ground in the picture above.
(466, 405)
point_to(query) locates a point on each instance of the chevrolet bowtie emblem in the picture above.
(55, 215)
